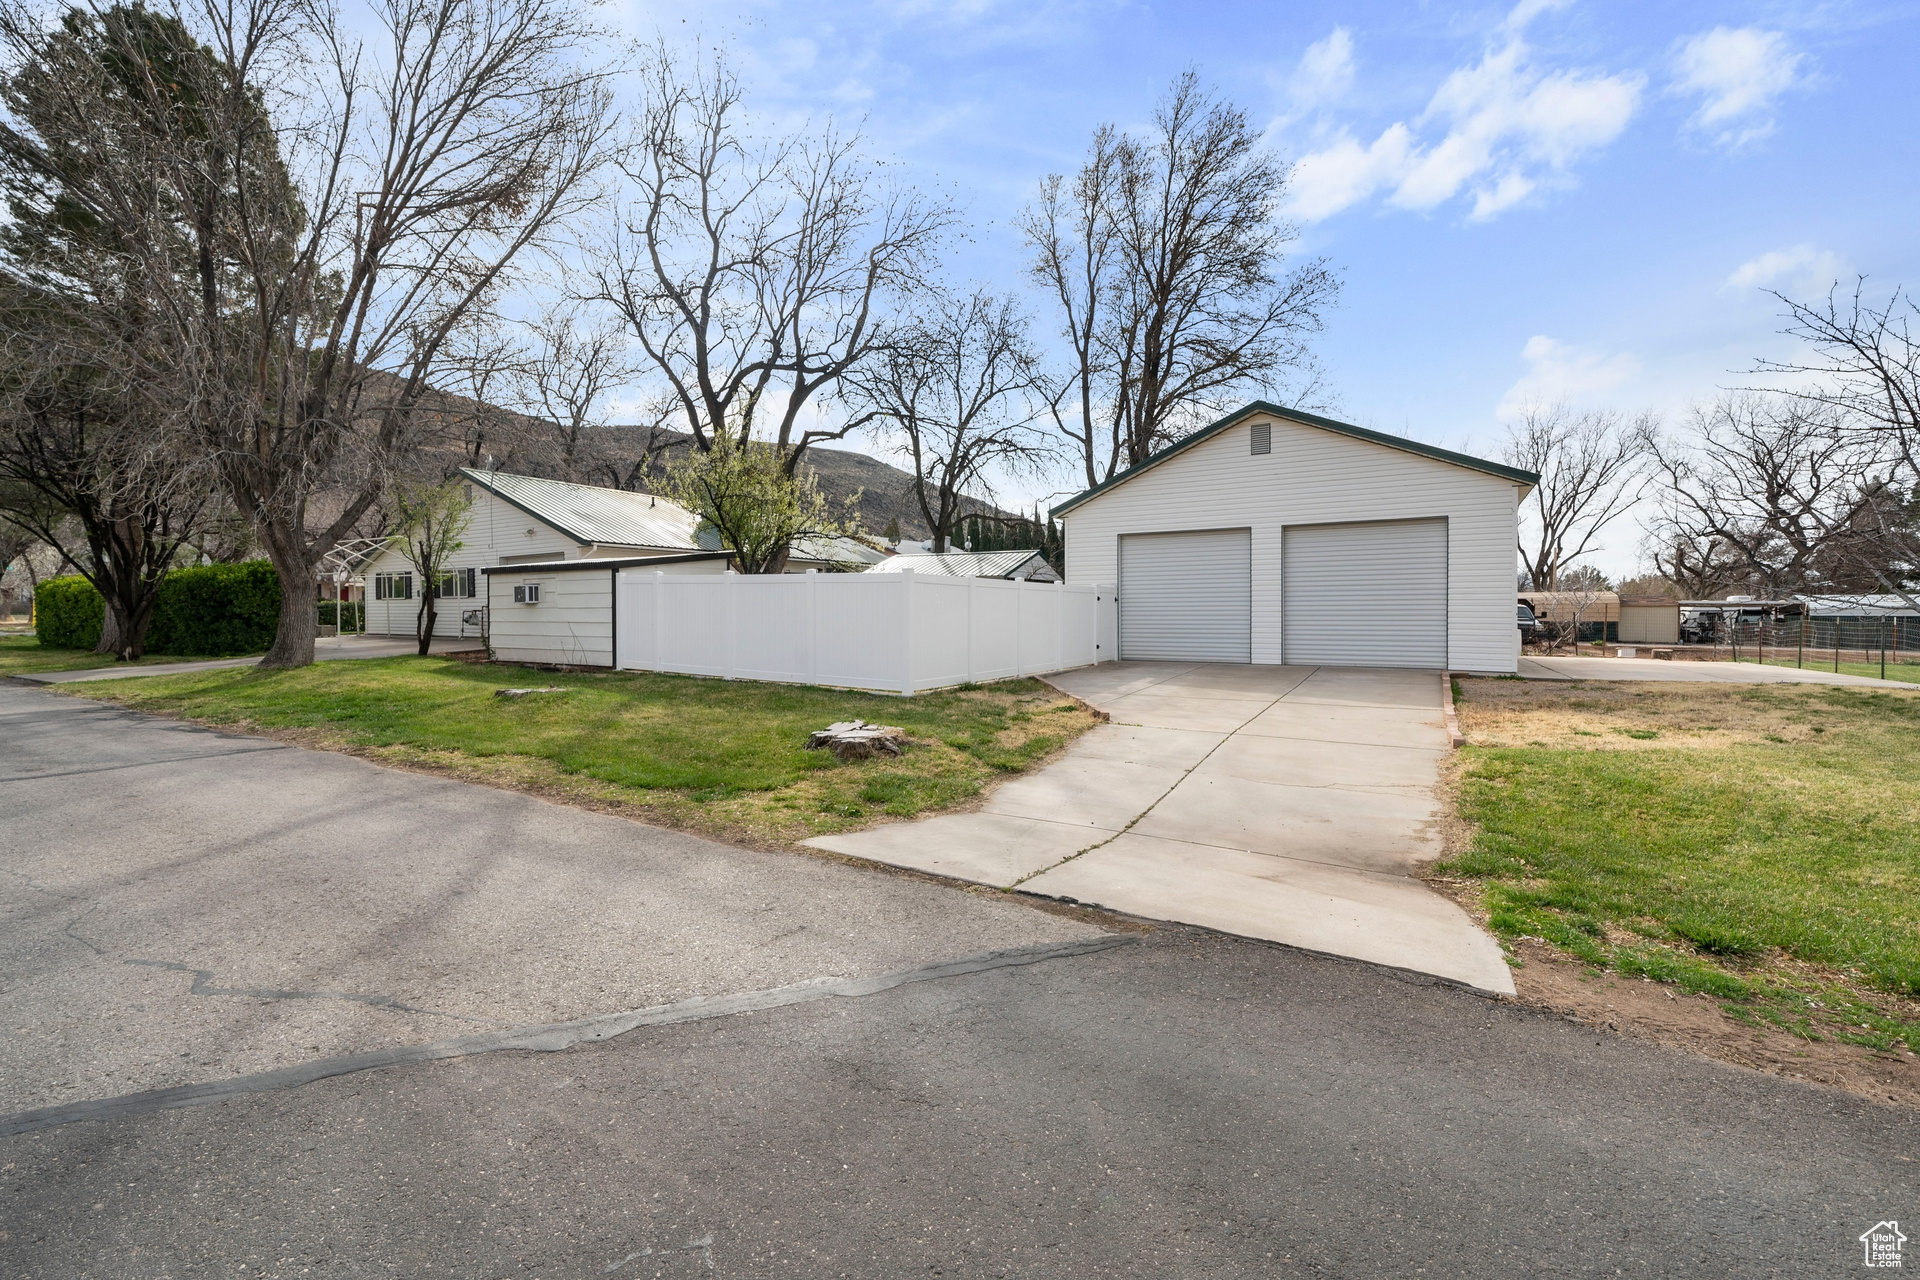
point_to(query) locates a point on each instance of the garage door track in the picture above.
(1286, 803)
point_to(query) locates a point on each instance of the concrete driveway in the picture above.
(1285, 803)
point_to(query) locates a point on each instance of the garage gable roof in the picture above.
(1260, 408)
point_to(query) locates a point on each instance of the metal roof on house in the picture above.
(835, 550)
(594, 516)
(601, 562)
(967, 564)
(1260, 408)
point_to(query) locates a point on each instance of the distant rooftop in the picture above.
(1028, 565)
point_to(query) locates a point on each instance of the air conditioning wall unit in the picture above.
(527, 593)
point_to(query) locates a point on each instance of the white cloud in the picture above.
(1325, 71)
(1800, 269)
(1506, 127)
(1558, 371)
(1738, 75)
(1328, 180)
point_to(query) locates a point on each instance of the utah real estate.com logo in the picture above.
(1882, 1242)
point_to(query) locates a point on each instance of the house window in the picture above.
(455, 584)
(1262, 438)
(393, 586)
(527, 593)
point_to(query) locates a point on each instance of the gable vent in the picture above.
(1262, 437)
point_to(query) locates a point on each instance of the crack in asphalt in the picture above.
(141, 764)
(549, 1038)
(201, 977)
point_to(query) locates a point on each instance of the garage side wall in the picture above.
(1314, 476)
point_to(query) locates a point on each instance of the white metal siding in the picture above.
(1315, 476)
(572, 624)
(1366, 595)
(1187, 597)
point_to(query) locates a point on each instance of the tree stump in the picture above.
(857, 740)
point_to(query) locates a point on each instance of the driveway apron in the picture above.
(1285, 803)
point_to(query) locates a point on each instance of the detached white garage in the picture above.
(1280, 536)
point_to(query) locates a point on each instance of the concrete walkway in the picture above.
(324, 650)
(1696, 672)
(1286, 803)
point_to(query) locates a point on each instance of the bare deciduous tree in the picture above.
(348, 206)
(1163, 257)
(953, 382)
(754, 275)
(565, 381)
(1862, 380)
(1591, 467)
(1754, 493)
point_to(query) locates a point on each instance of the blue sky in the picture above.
(1574, 201)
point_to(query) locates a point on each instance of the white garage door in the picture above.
(1187, 597)
(1365, 595)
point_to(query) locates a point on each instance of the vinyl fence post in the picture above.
(659, 662)
(973, 589)
(1019, 630)
(1060, 632)
(726, 592)
(906, 631)
(813, 626)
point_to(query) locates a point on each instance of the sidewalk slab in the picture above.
(328, 649)
(983, 848)
(1384, 919)
(1325, 722)
(1158, 710)
(1380, 831)
(1086, 792)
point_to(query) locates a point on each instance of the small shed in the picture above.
(562, 611)
(1649, 620)
(1010, 566)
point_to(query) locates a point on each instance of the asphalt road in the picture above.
(1183, 1104)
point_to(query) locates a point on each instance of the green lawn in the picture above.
(727, 757)
(1907, 670)
(1735, 841)
(25, 655)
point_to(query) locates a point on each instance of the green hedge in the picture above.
(68, 613)
(207, 611)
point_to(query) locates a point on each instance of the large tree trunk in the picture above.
(299, 615)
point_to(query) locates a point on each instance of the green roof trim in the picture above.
(1260, 408)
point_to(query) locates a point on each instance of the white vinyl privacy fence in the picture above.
(901, 632)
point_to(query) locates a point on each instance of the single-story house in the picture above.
(1011, 566)
(1275, 535)
(543, 527)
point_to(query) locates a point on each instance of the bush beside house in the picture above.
(210, 610)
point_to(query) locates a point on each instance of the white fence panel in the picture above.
(772, 627)
(995, 630)
(897, 632)
(692, 626)
(938, 630)
(860, 641)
